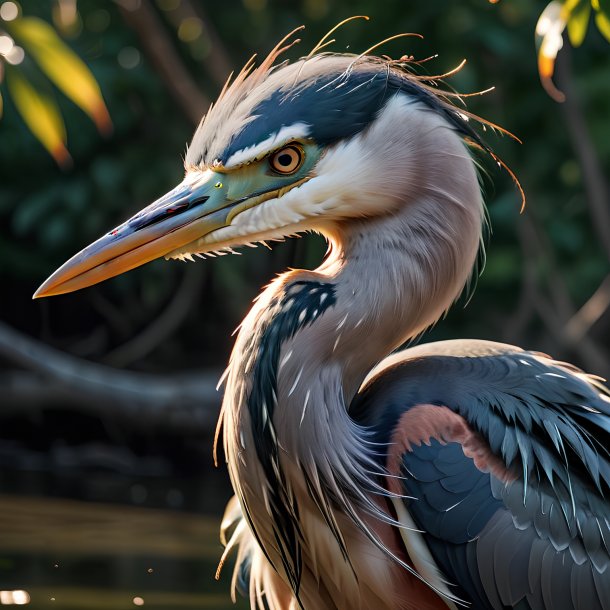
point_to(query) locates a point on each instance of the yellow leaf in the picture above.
(40, 114)
(603, 24)
(569, 6)
(578, 21)
(63, 67)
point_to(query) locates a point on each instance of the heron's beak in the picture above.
(196, 207)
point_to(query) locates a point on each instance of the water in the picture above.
(68, 553)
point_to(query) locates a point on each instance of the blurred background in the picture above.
(108, 493)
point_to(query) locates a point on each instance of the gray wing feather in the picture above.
(602, 584)
(537, 557)
(546, 545)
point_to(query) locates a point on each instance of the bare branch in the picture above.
(555, 315)
(594, 181)
(218, 61)
(159, 49)
(146, 400)
(580, 323)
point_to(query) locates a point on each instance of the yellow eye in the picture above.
(287, 160)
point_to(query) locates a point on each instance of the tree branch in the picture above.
(218, 62)
(143, 19)
(580, 323)
(189, 400)
(556, 316)
(593, 176)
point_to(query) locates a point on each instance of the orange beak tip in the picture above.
(41, 292)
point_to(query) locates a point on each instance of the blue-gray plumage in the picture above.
(541, 540)
(453, 474)
(336, 104)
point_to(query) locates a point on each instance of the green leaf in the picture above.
(63, 67)
(40, 114)
(578, 20)
(603, 24)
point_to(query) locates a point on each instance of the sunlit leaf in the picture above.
(40, 114)
(549, 41)
(602, 21)
(578, 20)
(63, 67)
(603, 6)
(569, 6)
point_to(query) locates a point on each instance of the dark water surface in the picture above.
(155, 545)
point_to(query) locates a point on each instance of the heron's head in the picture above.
(310, 145)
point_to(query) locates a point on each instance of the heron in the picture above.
(452, 474)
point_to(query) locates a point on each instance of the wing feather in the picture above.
(504, 458)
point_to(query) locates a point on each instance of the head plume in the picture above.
(260, 100)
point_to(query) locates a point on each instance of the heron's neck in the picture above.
(313, 336)
(393, 276)
(304, 350)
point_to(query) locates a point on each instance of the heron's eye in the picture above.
(287, 160)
